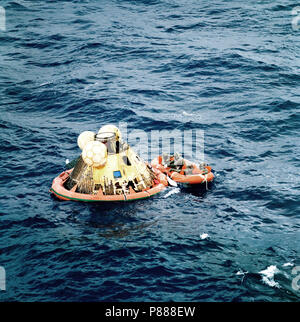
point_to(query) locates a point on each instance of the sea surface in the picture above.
(227, 68)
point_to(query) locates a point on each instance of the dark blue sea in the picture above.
(227, 68)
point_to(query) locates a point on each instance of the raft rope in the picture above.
(204, 177)
(206, 182)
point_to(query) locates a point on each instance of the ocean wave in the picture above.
(225, 69)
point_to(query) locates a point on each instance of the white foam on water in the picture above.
(240, 272)
(204, 236)
(187, 114)
(67, 161)
(172, 192)
(46, 83)
(287, 264)
(268, 275)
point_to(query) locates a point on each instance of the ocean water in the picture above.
(227, 68)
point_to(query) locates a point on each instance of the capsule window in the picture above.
(126, 160)
(117, 174)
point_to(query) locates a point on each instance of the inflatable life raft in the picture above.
(59, 190)
(107, 170)
(181, 170)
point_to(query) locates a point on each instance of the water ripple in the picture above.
(228, 69)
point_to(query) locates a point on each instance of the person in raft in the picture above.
(177, 163)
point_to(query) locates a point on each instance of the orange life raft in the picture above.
(61, 192)
(188, 173)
